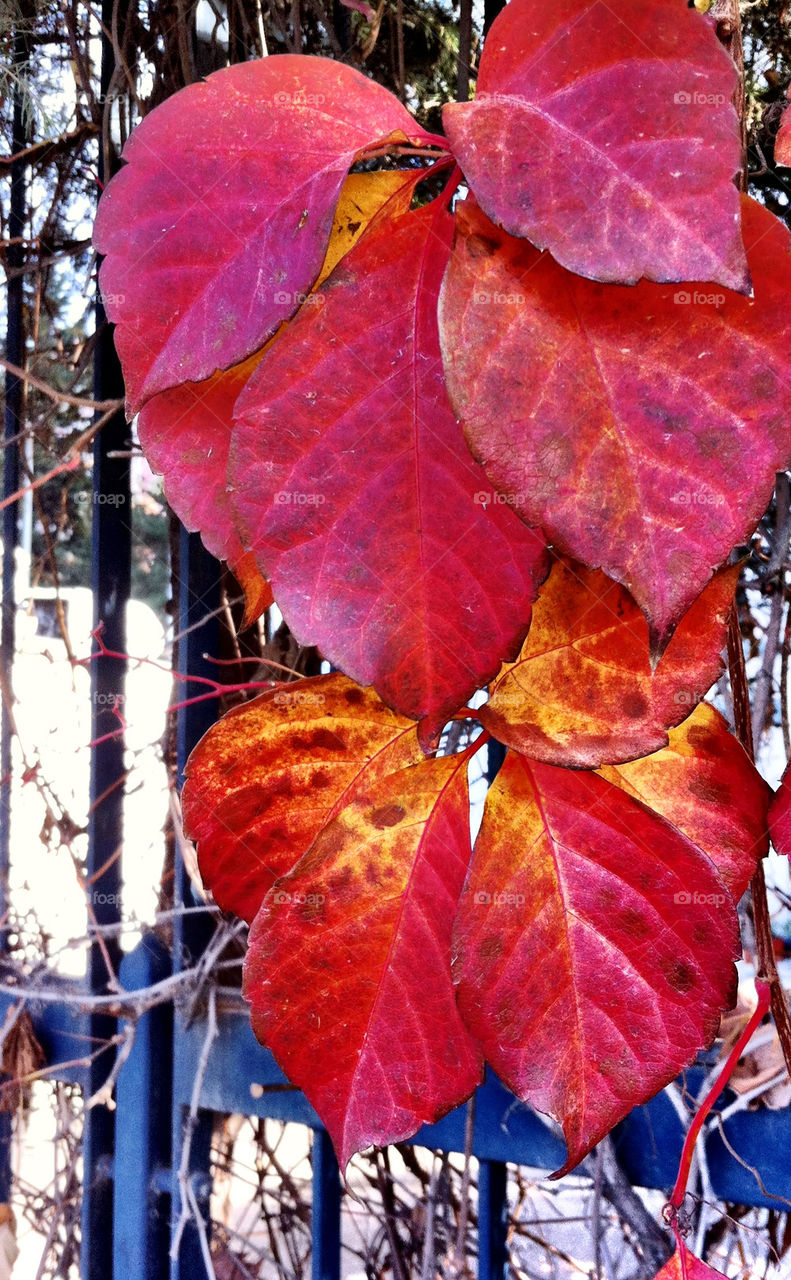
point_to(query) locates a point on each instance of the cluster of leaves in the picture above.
(458, 451)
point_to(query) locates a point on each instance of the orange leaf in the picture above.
(594, 947)
(265, 779)
(704, 783)
(348, 972)
(581, 692)
(257, 591)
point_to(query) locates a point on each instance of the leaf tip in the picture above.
(659, 637)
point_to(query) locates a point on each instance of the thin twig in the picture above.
(189, 1206)
(104, 1094)
(60, 397)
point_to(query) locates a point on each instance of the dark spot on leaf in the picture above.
(680, 976)
(319, 739)
(710, 791)
(633, 923)
(340, 881)
(706, 742)
(608, 899)
(634, 706)
(764, 383)
(387, 815)
(491, 948)
(670, 421)
(710, 445)
(354, 697)
(479, 246)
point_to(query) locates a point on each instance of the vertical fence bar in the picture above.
(142, 1128)
(492, 1220)
(199, 600)
(325, 1223)
(13, 425)
(111, 556)
(200, 577)
(492, 1175)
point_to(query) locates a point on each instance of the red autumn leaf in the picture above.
(685, 1266)
(783, 140)
(617, 418)
(706, 786)
(264, 780)
(780, 815)
(355, 490)
(581, 693)
(348, 972)
(186, 431)
(594, 947)
(365, 9)
(216, 227)
(606, 134)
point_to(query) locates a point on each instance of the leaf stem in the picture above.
(405, 150)
(451, 186)
(680, 1189)
(437, 140)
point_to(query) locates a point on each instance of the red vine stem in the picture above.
(680, 1189)
(452, 185)
(442, 156)
(214, 689)
(767, 967)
